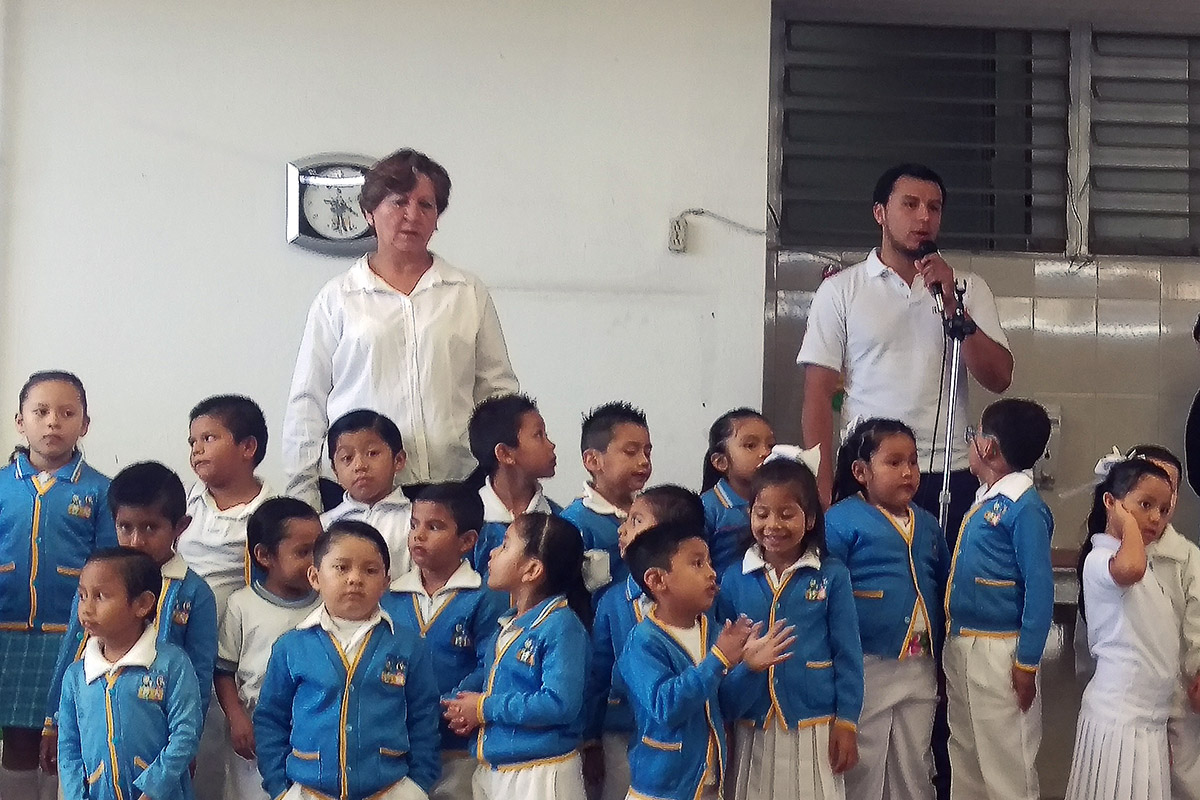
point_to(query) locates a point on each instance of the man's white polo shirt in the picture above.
(884, 338)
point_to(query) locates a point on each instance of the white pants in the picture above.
(993, 746)
(894, 731)
(458, 768)
(1183, 733)
(616, 766)
(559, 780)
(242, 779)
(403, 789)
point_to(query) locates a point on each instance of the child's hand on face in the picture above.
(769, 648)
(463, 712)
(843, 748)
(1024, 684)
(733, 637)
(1125, 521)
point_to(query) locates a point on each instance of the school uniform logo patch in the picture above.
(153, 687)
(182, 613)
(81, 508)
(395, 672)
(816, 589)
(992, 515)
(526, 654)
(461, 638)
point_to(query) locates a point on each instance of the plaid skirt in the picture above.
(26, 670)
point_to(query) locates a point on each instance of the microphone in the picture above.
(925, 248)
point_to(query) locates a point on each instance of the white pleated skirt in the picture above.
(778, 764)
(1119, 761)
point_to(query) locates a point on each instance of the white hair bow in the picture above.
(1105, 464)
(810, 458)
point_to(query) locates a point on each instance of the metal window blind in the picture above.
(1144, 181)
(986, 109)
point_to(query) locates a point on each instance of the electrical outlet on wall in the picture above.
(677, 235)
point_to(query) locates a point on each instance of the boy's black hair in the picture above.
(672, 503)
(887, 181)
(149, 484)
(655, 547)
(356, 529)
(800, 480)
(268, 524)
(365, 420)
(463, 503)
(495, 421)
(240, 415)
(138, 570)
(1020, 427)
(601, 421)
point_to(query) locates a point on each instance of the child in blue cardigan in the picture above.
(444, 599)
(738, 442)
(349, 704)
(800, 734)
(130, 714)
(898, 561)
(620, 607)
(526, 708)
(686, 674)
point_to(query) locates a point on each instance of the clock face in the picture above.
(331, 209)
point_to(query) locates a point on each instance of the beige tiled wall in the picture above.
(1108, 341)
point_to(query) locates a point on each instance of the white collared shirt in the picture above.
(176, 568)
(349, 633)
(597, 502)
(754, 561)
(494, 509)
(391, 516)
(424, 360)
(142, 654)
(410, 582)
(1012, 486)
(214, 544)
(882, 335)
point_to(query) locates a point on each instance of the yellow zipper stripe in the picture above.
(110, 682)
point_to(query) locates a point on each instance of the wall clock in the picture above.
(323, 214)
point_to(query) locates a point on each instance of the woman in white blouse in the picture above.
(402, 333)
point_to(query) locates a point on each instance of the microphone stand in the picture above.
(957, 328)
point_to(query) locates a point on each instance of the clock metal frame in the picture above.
(302, 172)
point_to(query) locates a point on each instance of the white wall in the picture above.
(144, 144)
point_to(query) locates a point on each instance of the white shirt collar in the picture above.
(494, 509)
(1012, 486)
(362, 278)
(463, 578)
(199, 493)
(395, 499)
(754, 561)
(175, 568)
(142, 654)
(321, 618)
(596, 502)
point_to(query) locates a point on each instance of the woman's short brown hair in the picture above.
(398, 173)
